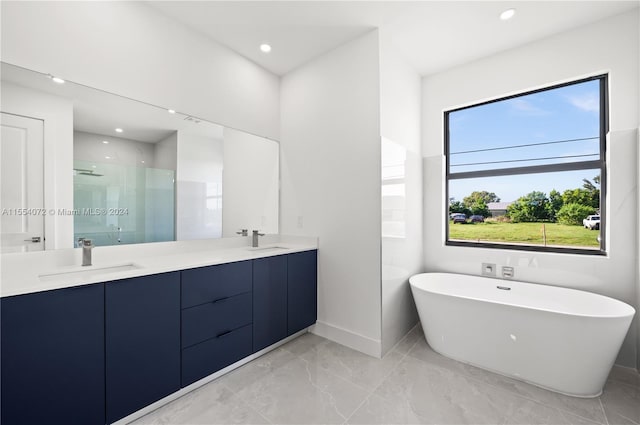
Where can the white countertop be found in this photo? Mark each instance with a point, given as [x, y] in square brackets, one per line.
[24, 273]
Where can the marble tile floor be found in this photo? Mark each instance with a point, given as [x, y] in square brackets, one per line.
[311, 380]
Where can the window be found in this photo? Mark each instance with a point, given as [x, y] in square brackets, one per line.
[528, 172]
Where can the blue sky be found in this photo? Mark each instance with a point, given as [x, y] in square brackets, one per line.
[565, 113]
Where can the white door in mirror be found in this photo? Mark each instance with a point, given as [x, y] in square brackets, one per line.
[22, 184]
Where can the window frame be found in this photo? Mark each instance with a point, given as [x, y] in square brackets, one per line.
[600, 163]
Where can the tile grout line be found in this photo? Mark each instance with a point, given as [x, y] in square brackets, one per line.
[328, 372]
[604, 412]
[335, 375]
[541, 402]
[404, 356]
[629, 419]
[331, 372]
[507, 390]
[242, 400]
[626, 384]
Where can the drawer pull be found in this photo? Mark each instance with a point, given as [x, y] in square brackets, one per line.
[225, 333]
[219, 300]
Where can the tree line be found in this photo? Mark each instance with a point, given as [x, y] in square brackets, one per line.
[568, 207]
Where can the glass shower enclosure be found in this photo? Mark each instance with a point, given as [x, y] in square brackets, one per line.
[119, 204]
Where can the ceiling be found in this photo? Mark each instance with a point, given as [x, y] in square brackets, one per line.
[99, 112]
[431, 35]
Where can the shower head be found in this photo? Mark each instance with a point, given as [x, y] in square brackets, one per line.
[84, 172]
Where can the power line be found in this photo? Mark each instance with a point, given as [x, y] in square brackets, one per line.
[526, 145]
[524, 160]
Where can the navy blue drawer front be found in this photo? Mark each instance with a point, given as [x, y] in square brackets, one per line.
[209, 320]
[214, 354]
[206, 284]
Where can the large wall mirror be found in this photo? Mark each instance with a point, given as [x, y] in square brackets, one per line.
[140, 173]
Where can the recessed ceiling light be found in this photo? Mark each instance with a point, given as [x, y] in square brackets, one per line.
[265, 47]
[171, 111]
[107, 157]
[119, 130]
[57, 80]
[106, 142]
[507, 14]
[142, 162]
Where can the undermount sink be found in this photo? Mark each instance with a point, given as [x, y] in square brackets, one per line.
[88, 272]
[267, 248]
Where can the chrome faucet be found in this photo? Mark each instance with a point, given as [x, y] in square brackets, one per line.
[243, 232]
[87, 246]
[254, 241]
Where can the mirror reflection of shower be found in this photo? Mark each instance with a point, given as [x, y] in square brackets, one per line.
[122, 204]
[120, 195]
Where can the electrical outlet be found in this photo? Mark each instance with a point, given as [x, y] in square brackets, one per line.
[489, 269]
[300, 222]
[507, 272]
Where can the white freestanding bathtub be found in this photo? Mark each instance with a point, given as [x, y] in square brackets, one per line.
[560, 339]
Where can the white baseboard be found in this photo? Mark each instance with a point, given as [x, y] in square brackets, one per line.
[364, 344]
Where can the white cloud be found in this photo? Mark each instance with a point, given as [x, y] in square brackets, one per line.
[589, 102]
[525, 107]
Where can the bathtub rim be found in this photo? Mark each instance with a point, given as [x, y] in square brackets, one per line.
[630, 313]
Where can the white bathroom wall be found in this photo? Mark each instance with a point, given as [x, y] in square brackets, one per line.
[609, 46]
[131, 49]
[401, 191]
[119, 150]
[250, 183]
[330, 170]
[198, 187]
[57, 114]
[165, 154]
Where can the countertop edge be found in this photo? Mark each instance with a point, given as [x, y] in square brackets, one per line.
[148, 266]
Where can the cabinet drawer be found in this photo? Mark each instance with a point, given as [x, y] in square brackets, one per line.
[209, 320]
[214, 354]
[206, 284]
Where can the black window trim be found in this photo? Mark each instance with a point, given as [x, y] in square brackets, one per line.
[536, 169]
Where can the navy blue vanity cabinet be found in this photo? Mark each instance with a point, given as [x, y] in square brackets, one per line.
[217, 318]
[52, 357]
[142, 342]
[269, 301]
[302, 298]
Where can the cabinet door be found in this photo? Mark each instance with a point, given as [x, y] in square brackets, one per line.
[52, 357]
[142, 342]
[269, 301]
[302, 299]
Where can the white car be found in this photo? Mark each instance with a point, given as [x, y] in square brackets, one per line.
[592, 222]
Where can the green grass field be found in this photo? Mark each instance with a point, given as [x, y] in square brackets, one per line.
[525, 233]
